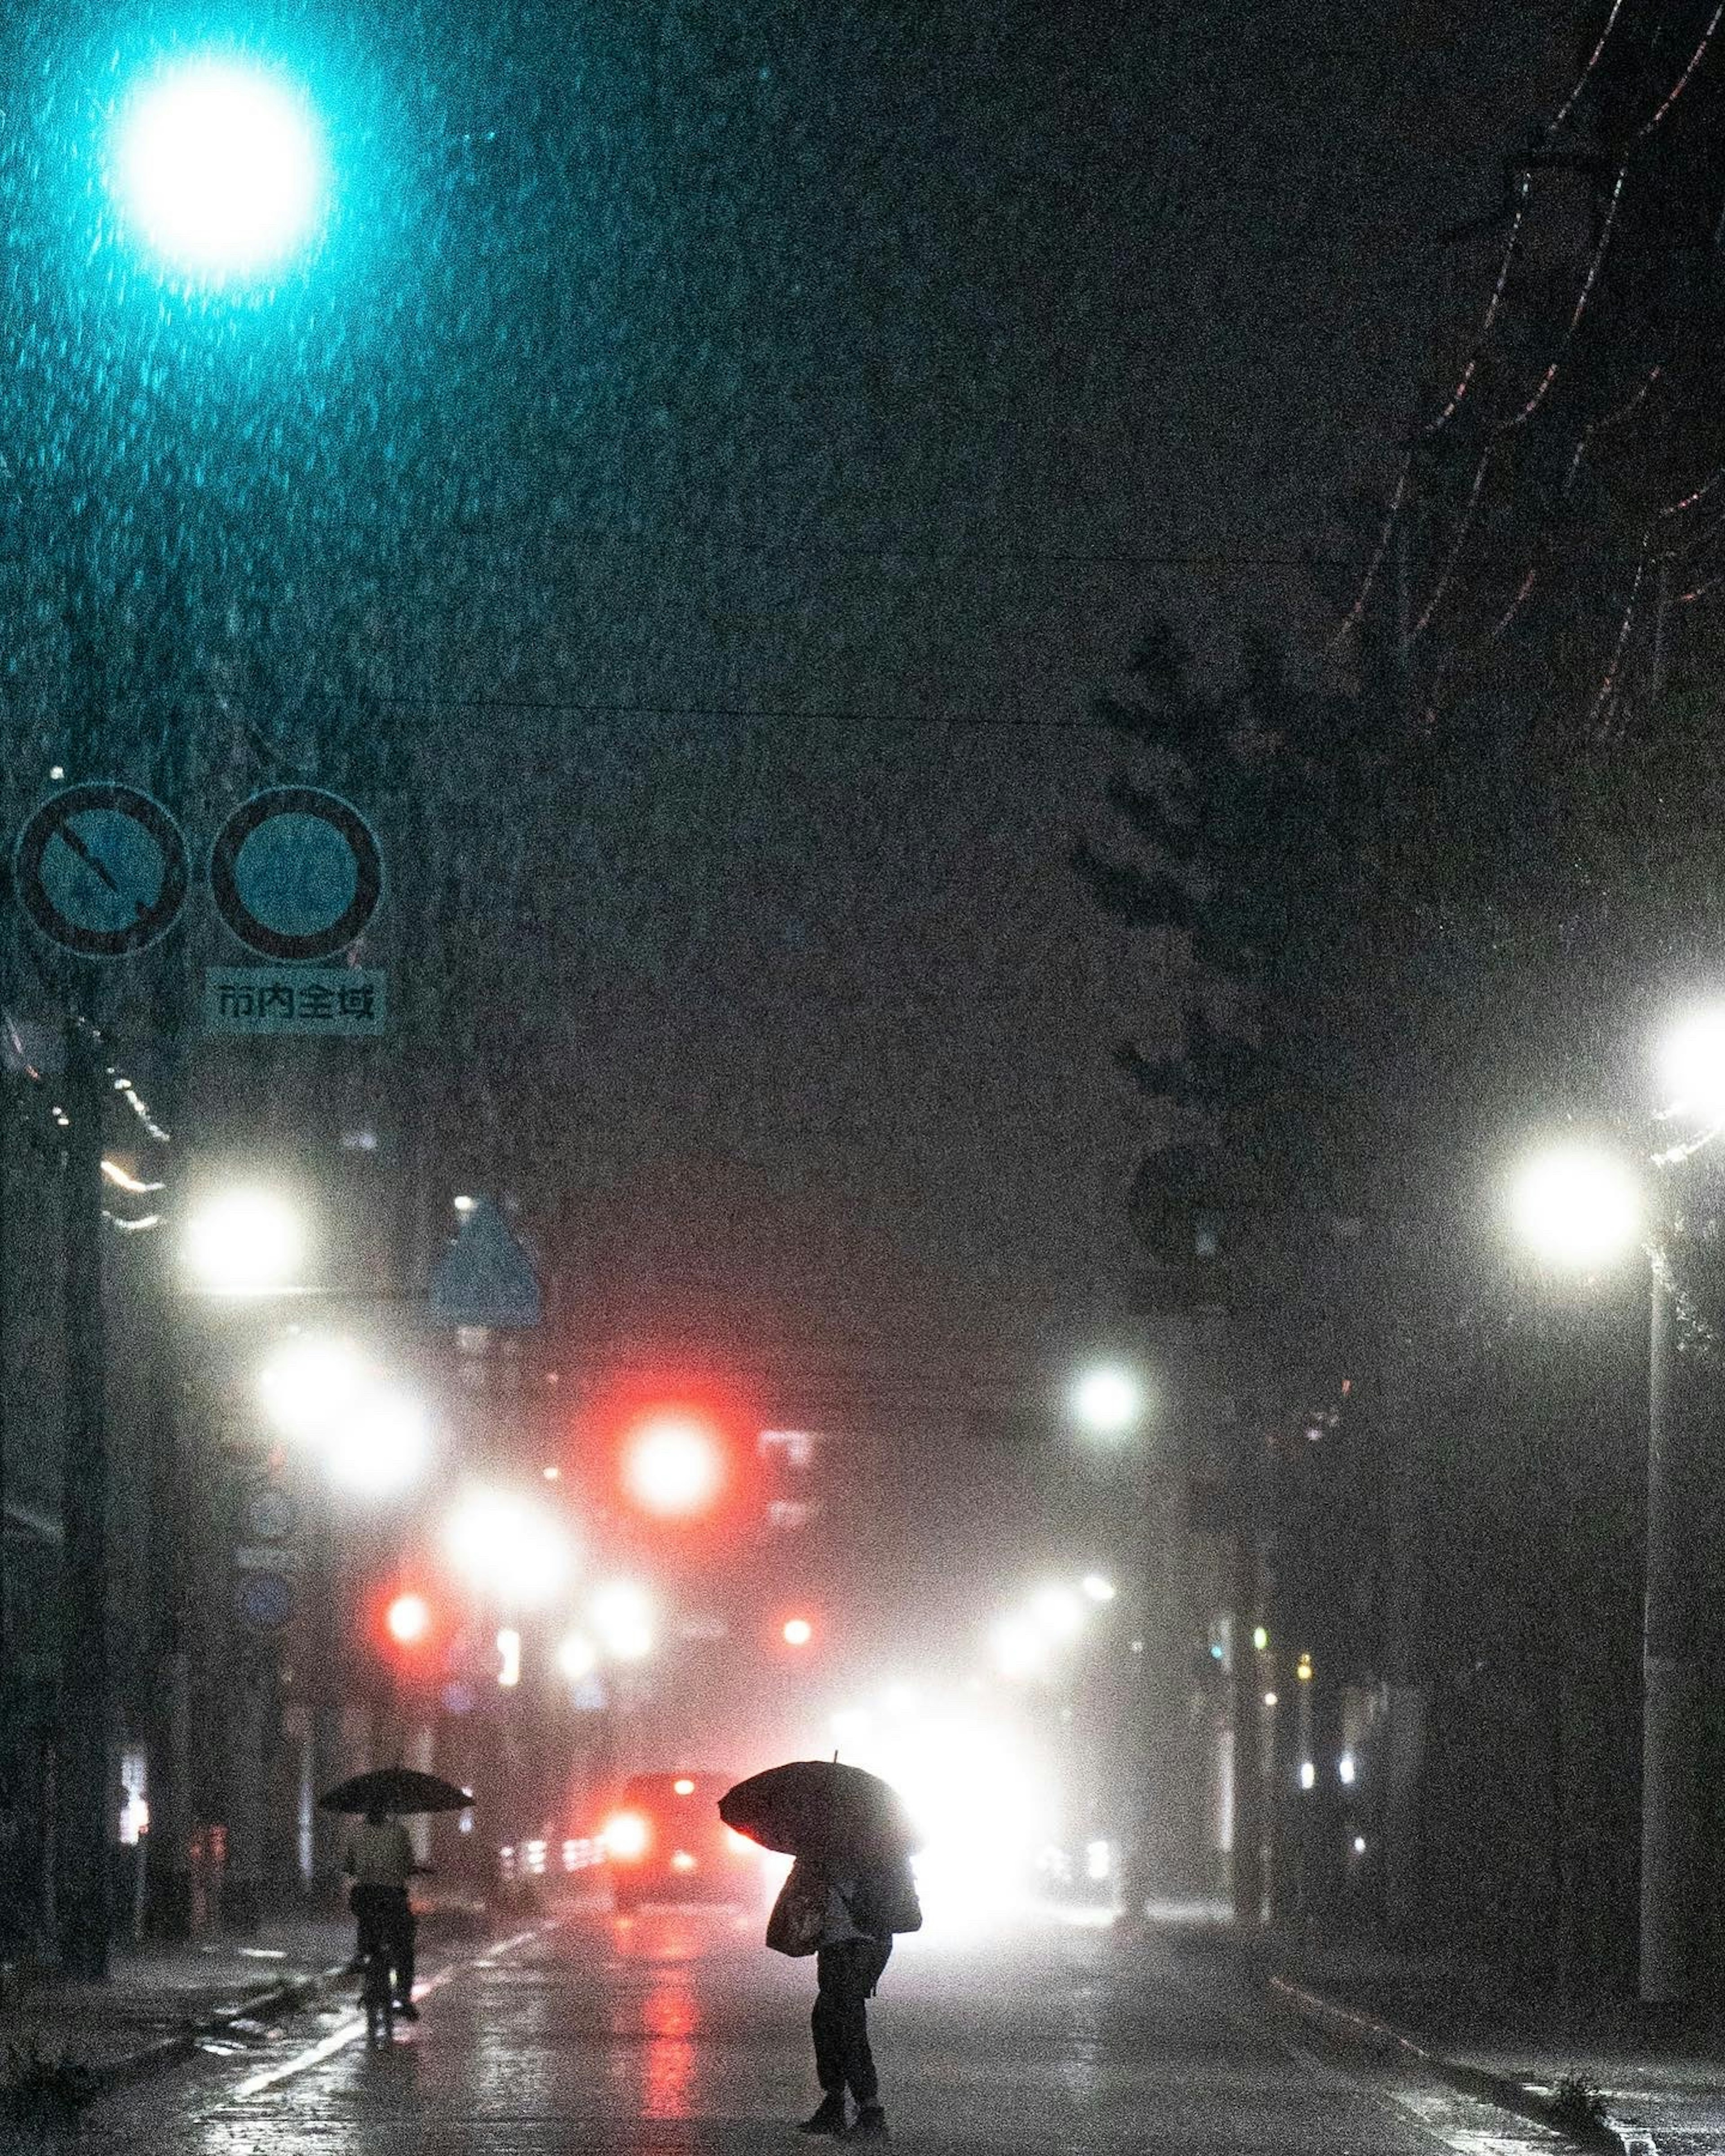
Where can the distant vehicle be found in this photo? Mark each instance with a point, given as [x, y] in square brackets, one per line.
[666, 1842]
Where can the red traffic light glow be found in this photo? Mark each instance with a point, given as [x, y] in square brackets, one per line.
[408, 1626]
[408, 1620]
[797, 1632]
[674, 1465]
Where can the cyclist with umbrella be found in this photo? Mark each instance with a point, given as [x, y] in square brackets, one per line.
[379, 1859]
[850, 1890]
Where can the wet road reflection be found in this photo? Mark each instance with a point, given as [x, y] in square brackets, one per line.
[673, 2030]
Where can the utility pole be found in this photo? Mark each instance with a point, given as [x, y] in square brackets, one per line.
[1673, 1680]
[86, 1787]
[1248, 1879]
[1672, 1672]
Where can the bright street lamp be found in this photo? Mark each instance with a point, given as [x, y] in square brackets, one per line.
[374, 1437]
[1057, 1613]
[244, 1242]
[511, 1547]
[1108, 1401]
[313, 1386]
[218, 165]
[1583, 1208]
[576, 1657]
[1577, 1206]
[623, 1616]
[1692, 1066]
[384, 1448]
[1020, 1648]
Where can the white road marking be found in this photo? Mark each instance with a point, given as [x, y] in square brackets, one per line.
[327, 2046]
[1440, 2112]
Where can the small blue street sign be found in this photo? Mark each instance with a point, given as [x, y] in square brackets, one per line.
[265, 1600]
[485, 1278]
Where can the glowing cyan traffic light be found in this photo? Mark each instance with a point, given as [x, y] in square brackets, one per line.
[674, 1466]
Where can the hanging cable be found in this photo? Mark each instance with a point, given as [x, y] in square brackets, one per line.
[1595, 427]
[1550, 376]
[1609, 684]
[1453, 556]
[1569, 103]
[1683, 80]
[1689, 501]
[1483, 337]
[1511, 611]
[1352, 619]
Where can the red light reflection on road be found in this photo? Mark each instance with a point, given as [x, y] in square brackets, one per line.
[671, 2018]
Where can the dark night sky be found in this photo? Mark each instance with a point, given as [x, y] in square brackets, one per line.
[751, 434]
[892, 349]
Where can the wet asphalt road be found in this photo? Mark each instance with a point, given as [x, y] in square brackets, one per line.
[675, 2030]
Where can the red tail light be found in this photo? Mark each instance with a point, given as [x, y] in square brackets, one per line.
[626, 1836]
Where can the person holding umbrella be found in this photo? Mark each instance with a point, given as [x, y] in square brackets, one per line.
[379, 1859]
[850, 1890]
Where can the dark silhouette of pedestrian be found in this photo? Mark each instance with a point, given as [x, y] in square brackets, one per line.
[863, 1908]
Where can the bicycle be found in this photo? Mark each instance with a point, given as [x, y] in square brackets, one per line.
[377, 1991]
[384, 1947]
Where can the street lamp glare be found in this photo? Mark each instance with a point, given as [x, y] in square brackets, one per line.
[312, 1388]
[219, 166]
[244, 1242]
[511, 1547]
[1057, 1613]
[385, 1446]
[1108, 1400]
[1577, 1206]
[623, 1613]
[1098, 1588]
[577, 1656]
[1020, 1648]
[1692, 1067]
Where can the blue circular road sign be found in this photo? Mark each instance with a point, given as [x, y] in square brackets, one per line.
[296, 873]
[265, 1600]
[101, 870]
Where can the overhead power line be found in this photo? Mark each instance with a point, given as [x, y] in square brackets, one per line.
[1515, 206]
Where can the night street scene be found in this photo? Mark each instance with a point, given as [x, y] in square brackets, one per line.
[862, 1077]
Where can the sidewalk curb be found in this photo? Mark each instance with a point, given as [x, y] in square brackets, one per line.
[1501, 2090]
[284, 1995]
[163, 2052]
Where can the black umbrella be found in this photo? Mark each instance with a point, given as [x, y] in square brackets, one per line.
[818, 1809]
[395, 1789]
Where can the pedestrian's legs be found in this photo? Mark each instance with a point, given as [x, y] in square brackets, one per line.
[827, 2023]
[406, 1928]
[367, 1917]
[848, 1975]
[858, 2059]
